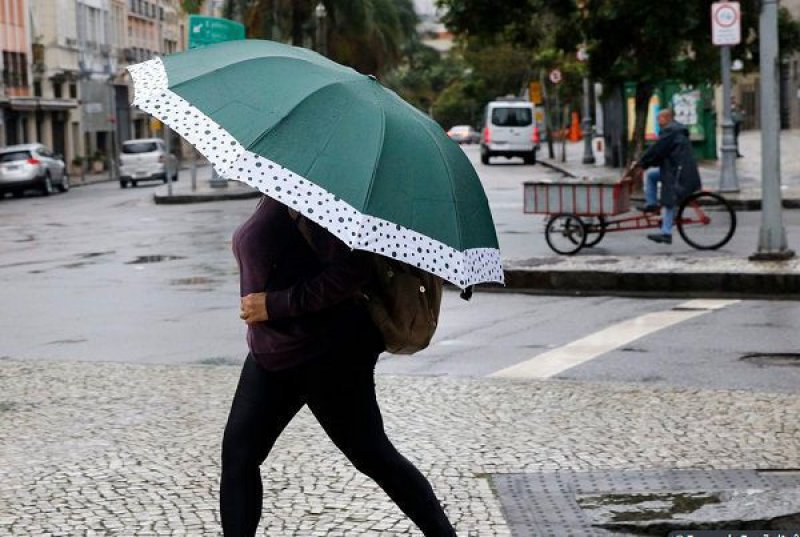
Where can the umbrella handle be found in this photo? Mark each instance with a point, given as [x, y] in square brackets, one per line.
[466, 294]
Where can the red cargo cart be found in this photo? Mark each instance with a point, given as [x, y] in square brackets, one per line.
[583, 210]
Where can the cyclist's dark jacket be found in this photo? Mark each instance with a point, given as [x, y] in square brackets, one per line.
[672, 153]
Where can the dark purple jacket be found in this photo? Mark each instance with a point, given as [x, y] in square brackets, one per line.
[312, 294]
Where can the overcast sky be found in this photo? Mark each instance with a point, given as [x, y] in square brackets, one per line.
[425, 7]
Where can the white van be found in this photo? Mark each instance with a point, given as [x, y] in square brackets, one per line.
[509, 130]
[146, 159]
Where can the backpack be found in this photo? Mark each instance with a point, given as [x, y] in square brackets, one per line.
[403, 301]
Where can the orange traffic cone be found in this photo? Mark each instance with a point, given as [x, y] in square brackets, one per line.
[575, 128]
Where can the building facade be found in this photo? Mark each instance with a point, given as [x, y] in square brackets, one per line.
[64, 81]
[748, 94]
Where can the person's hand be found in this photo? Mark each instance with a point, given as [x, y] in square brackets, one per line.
[254, 308]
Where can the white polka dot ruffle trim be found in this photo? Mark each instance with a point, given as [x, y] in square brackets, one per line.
[357, 230]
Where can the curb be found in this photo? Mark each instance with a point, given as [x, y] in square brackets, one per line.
[556, 167]
[713, 284]
[202, 197]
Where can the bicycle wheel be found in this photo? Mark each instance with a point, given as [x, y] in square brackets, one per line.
[565, 234]
[706, 221]
[595, 230]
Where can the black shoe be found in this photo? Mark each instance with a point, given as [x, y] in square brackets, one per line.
[648, 208]
[660, 237]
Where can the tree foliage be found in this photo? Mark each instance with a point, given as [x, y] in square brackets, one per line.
[637, 41]
[368, 35]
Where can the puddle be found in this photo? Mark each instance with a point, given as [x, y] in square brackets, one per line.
[194, 280]
[779, 359]
[76, 265]
[90, 255]
[153, 259]
[647, 507]
[219, 360]
[61, 341]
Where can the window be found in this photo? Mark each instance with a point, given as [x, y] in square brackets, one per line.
[57, 88]
[139, 147]
[37, 88]
[15, 70]
[14, 156]
[512, 117]
[73, 90]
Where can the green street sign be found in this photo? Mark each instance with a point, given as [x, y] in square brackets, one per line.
[208, 30]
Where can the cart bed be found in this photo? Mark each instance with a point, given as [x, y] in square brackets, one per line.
[582, 196]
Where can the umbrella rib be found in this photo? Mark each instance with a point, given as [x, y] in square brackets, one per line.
[380, 147]
[449, 176]
[286, 116]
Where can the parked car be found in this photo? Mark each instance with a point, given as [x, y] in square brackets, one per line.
[509, 130]
[463, 134]
[146, 159]
[31, 167]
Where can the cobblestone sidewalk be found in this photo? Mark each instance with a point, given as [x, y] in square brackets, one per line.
[114, 449]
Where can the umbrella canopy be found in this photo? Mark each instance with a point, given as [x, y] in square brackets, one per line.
[334, 145]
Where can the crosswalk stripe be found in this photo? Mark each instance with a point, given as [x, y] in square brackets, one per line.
[555, 361]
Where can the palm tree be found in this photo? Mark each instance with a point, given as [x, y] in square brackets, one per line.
[368, 35]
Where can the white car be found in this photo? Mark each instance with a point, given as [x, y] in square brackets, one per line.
[509, 130]
[463, 134]
[31, 166]
[146, 159]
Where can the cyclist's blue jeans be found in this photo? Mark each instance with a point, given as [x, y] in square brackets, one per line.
[652, 179]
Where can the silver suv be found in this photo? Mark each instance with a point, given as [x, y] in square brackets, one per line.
[146, 159]
[31, 166]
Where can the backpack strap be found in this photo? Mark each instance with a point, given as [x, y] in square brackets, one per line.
[302, 227]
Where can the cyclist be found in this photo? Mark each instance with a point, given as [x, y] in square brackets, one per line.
[677, 172]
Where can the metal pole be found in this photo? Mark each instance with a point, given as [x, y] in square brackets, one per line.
[276, 29]
[193, 167]
[729, 180]
[588, 153]
[772, 237]
[82, 74]
[168, 159]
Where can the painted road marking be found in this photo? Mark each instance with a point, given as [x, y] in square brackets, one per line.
[557, 360]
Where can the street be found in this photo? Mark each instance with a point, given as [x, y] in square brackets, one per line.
[121, 344]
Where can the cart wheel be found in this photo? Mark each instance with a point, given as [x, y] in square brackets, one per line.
[565, 234]
[706, 221]
[595, 230]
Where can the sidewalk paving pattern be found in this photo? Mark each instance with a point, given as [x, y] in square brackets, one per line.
[116, 449]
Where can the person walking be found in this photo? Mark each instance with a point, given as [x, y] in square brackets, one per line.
[737, 116]
[677, 173]
[311, 342]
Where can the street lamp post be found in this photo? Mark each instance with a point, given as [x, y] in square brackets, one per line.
[729, 180]
[586, 122]
[321, 13]
[772, 244]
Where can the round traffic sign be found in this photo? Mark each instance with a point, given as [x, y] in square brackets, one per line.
[726, 16]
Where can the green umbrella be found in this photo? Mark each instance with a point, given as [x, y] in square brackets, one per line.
[334, 145]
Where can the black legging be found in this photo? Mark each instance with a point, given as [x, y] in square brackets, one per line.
[340, 392]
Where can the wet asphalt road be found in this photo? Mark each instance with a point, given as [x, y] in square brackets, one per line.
[104, 274]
